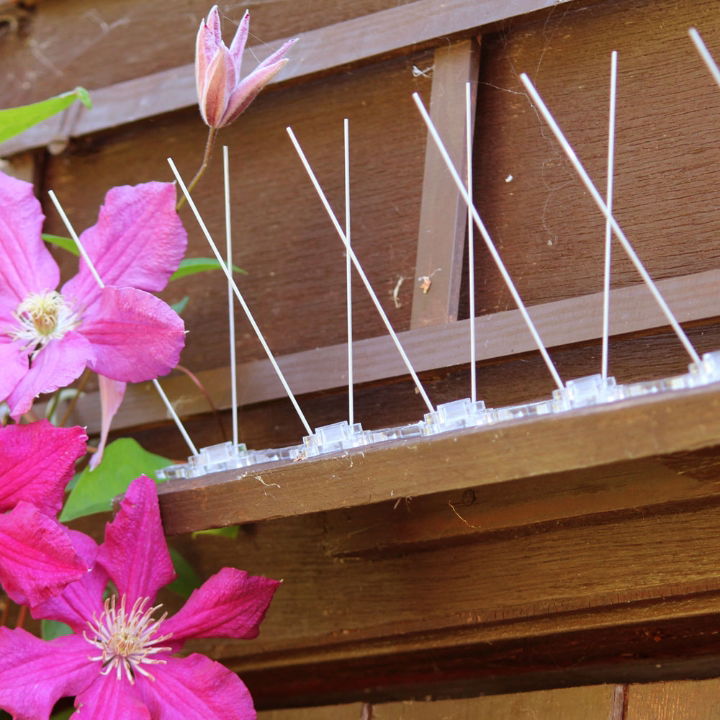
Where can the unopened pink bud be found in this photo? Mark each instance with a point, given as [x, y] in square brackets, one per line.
[222, 92]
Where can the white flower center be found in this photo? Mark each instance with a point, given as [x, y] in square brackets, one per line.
[43, 317]
[127, 639]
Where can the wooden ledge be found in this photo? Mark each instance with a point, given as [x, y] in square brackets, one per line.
[669, 426]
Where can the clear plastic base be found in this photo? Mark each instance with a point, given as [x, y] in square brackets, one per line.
[586, 391]
[515, 412]
[331, 438]
[457, 415]
[577, 393]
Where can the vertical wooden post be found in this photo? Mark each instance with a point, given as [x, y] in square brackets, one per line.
[443, 212]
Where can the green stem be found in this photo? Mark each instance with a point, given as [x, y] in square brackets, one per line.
[212, 134]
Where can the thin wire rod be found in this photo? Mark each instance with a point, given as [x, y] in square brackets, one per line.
[348, 275]
[98, 280]
[488, 240]
[240, 298]
[231, 304]
[359, 269]
[608, 227]
[471, 242]
[705, 54]
[619, 234]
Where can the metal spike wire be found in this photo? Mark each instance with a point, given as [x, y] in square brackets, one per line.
[231, 304]
[617, 230]
[471, 242]
[98, 280]
[240, 298]
[488, 240]
[348, 275]
[705, 54]
[360, 271]
[608, 227]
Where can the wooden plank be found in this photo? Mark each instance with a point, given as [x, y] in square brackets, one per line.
[580, 439]
[362, 39]
[581, 703]
[674, 701]
[443, 212]
[499, 335]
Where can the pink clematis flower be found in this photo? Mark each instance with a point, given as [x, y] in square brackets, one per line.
[36, 463]
[119, 662]
[122, 332]
[222, 93]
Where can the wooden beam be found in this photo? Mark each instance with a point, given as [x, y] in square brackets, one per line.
[443, 212]
[578, 440]
[388, 32]
[692, 297]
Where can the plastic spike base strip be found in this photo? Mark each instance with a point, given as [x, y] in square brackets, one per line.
[456, 415]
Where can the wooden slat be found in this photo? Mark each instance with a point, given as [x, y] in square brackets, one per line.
[501, 334]
[674, 701]
[582, 703]
[572, 441]
[318, 51]
[443, 213]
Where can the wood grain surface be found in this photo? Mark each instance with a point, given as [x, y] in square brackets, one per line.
[674, 701]
[583, 703]
[443, 212]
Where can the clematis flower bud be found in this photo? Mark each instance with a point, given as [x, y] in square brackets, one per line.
[222, 93]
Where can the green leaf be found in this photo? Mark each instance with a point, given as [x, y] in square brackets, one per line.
[192, 266]
[187, 579]
[123, 461]
[180, 305]
[13, 121]
[62, 714]
[62, 242]
[51, 629]
[231, 531]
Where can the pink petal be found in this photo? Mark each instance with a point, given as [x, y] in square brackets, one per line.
[237, 47]
[108, 698]
[218, 88]
[35, 674]
[138, 241]
[277, 55]
[135, 552]
[214, 25]
[37, 462]
[248, 90]
[230, 604]
[134, 335]
[112, 393]
[195, 688]
[77, 603]
[55, 366]
[14, 364]
[37, 557]
[27, 265]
